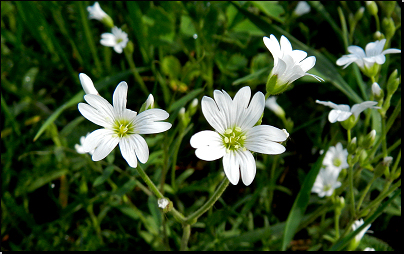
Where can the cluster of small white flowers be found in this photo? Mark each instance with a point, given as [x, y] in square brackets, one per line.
[342, 112]
[327, 179]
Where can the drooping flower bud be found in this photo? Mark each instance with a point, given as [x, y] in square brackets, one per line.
[369, 139]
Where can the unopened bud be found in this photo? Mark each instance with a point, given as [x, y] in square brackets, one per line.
[388, 7]
[369, 139]
[378, 36]
[359, 14]
[397, 174]
[383, 167]
[165, 204]
[371, 6]
[349, 123]
[392, 83]
[193, 107]
[377, 92]
[340, 202]
[362, 158]
[388, 27]
[352, 146]
[148, 104]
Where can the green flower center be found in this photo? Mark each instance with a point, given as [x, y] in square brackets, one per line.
[123, 128]
[119, 40]
[337, 162]
[327, 187]
[233, 139]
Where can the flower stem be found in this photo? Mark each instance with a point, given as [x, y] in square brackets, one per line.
[351, 190]
[337, 213]
[365, 191]
[177, 215]
[132, 65]
[191, 219]
[349, 135]
[185, 237]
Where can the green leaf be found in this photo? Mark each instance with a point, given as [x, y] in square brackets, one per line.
[29, 79]
[181, 102]
[128, 186]
[373, 242]
[171, 67]
[271, 8]
[299, 206]
[105, 175]
[251, 77]
[154, 210]
[41, 181]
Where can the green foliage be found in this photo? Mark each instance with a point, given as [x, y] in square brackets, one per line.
[54, 198]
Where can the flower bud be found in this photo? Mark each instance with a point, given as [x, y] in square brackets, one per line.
[148, 104]
[377, 92]
[340, 202]
[193, 107]
[359, 14]
[383, 167]
[397, 174]
[184, 117]
[362, 158]
[378, 36]
[274, 107]
[371, 6]
[349, 123]
[369, 139]
[165, 204]
[392, 83]
[388, 7]
[352, 146]
[352, 159]
[388, 27]
[129, 47]
[301, 8]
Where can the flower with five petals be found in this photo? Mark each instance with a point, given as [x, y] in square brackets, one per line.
[235, 135]
[117, 39]
[120, 126]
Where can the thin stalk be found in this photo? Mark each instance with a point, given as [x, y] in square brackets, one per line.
[348, 132]
[177, 215]
[384, 134]
[272, 182]
[185, 237]
[191, 219]
[89, 37]
[365, 191]
[351, 190]
[337, 213]
[393, 116]
[375, 203]
[136, 74]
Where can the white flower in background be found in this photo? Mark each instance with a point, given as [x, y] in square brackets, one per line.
[336, 157]
[79, 147]
[374, 54]
[121, 126]
[369, 249]
[341, 112]
[274, 107]
[95, 12]
[235, 134]
[302, 8]
[162, 202]
[326, 182]
[289, 64]
[87, 84]
[356, 225]
[117, 39]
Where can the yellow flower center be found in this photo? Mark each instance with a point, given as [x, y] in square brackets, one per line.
[337, 162]
[233, 139]
[123, 128]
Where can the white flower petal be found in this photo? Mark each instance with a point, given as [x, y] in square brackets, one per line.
[153, 127]
[102, 105]
[240, 101]
[266, 132]
[247, 166]
[118, 49]
[328, 103]
[298, 55]
[106, 145]
[308, 63]
[126, 145]
[213, 115]
[286, 47]
[93, 115]
[358, 51]
[210, 153]
[119, 97]
[231, 167]
[273, 46]
[225, 105]
[108, 40]
[358, 108]
[141, 148]
[87, 84]
[253, 112]
[346, 60]
[206, 138]
[261, 145]
[391, 51]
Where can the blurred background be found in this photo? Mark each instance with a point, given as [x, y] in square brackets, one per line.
[56, 199]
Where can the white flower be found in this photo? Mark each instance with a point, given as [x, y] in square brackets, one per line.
[79, 147]
[149, 102]
[95, 12]
[235, 134]
[302, 8]
[121, 126]
[356, 225]
[117, 39]
[289, 64]
[336, 157]
[162, 202]
[369, 249]
[272, 105]
[341, 112]
[374, 54]
[87, 84]
[326, 182]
